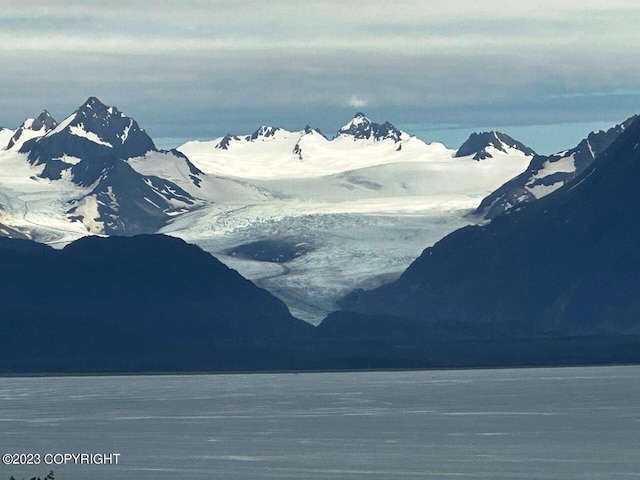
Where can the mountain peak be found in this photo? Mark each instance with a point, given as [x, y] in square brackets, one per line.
[94, 102]
[361, 128]
[477, 145]
[96, 109]
[566, 264]
[308, 130]
[545, 174]
[92, 131]
[265, 131]
[44, 120]
[32, 128]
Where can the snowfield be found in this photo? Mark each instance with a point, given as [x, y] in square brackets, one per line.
[303, 216]
[36, 206]
[359, 227]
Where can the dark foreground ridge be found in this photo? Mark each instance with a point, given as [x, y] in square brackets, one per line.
[143, 303]
[564, 267]
[152, 303]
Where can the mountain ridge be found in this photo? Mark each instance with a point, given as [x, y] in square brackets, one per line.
[562, 266]
[478, 144]
[547, 173]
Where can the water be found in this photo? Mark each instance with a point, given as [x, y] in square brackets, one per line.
[578, 423]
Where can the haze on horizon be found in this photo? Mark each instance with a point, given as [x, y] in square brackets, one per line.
[546, 72]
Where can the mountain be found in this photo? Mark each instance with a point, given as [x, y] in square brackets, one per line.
[548, 173]
[565, 266]
[361, 128]
[93, 129]
[275, 153]
[484, 145]
[90, 148]
[142, 303]
[31, 128]
[292, 191]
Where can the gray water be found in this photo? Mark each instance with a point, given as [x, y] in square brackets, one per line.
[577, 423]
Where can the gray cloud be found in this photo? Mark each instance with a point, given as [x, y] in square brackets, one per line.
[203, 68]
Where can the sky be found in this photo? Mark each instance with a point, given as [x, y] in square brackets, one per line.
[546, 72]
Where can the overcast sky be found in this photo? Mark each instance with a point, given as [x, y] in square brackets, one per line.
[437, 68]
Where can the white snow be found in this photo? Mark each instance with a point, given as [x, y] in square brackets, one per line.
[540, 191]
[125, 133]
[151, 202]
[212, 188]
[26, 134]
[79, 131]
[276, 159]
[37, 205]
[354, 122]
[87, 207]
[365, 225]
[365, 209]
[563, 165]
[70, 159]
[62, 125]
[5, 136]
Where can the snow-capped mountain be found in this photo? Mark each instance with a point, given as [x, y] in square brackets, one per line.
[361, 128]
[93, 130]
[31, 128]
[546, 174]
[484, 145]
[566, 265]
[275, 153]
[331, 201]
[98, 172]
[86, 157]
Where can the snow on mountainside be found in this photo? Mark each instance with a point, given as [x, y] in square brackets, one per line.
[90, 149]
[306, 217]
[5, 136]
[546, 174]
[355, 209]
[31, 128]
[484, 145]
[564, 266]
[93, 129]
[272, 153]
[361, 128]
[175, 167]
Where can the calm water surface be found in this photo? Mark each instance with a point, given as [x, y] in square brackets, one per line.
[577, 423]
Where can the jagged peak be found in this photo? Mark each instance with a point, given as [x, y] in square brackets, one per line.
[313, 131]
[41, 125]
[44, 120]
[94, 122]
[477, 145]
[358, 119]
[361, 128]
[265, 131]
[94, 102]
[387, 130]
[95, 108]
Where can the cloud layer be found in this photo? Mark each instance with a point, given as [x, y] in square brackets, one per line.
[217, 66]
